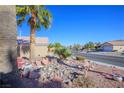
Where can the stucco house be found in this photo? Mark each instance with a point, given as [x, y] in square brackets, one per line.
[116, 45]
[40, 49]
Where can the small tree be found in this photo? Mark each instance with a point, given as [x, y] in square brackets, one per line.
[77, 47]
[89, 45]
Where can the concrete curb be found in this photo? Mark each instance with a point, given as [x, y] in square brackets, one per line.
[109, 65]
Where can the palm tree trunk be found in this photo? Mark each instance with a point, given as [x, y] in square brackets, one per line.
[8, 52]
[32, 43]
[32, 36]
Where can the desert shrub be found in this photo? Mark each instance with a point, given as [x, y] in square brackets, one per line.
[53, 46]
[80, 58]
[83, 82]
[62, 52]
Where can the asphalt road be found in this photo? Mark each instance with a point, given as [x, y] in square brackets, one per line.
[117, 61]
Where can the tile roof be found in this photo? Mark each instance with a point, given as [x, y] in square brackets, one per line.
[117, 42]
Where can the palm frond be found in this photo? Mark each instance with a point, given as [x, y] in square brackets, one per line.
[46, 14]
[46, 23]
[21, 12]
[20, 20]
[43, 16]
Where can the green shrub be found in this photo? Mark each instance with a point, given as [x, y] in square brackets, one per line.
[80, 58]
[62, 52]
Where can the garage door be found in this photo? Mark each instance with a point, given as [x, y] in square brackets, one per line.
[107, 48]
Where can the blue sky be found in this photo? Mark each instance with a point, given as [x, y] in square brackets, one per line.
[81, 24]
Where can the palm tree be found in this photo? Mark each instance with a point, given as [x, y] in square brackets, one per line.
[37, 16]
[8, 35]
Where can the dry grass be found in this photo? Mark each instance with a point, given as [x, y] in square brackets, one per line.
[84, 82]
[80, 58]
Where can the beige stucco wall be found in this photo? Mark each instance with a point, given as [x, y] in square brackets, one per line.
[41, 50]
[22, 54]
[38, 50]
[8, 33]
[118, 48]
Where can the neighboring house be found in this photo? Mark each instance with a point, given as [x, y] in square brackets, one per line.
[40, 49]
[116, 45]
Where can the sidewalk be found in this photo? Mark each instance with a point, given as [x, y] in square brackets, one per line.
[108, 65]
[116, 54]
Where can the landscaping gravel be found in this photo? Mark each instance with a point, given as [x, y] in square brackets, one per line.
[62, 74]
